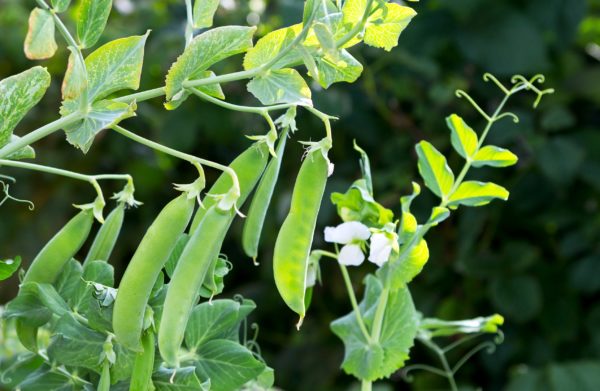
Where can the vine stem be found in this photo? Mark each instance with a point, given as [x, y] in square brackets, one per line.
[366, 385]
[448, 373]
[357, 27]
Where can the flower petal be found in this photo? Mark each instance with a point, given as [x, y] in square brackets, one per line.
[381, 248]
[311, 276]
[347, 232]
[351, 255]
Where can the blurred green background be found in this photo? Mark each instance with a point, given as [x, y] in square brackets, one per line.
[535, 259]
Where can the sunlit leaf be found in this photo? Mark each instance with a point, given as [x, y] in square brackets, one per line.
[464, 139]
[341, 68]
[270, 45]
[473, 193]
[384, 26]
[495, 157]
[281, 86]
[91, 21]
[204, 12]
[434, 169]
[40, 42]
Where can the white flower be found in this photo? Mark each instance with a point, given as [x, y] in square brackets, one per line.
[311, 275]
[349, 234]
[381, 247]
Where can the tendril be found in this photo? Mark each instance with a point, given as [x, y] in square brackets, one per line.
[407, 375]
[487, 77]
[256, 329]
[520, 81]
[463, 94]
[508, 114]
[7, 196]
[488, 346]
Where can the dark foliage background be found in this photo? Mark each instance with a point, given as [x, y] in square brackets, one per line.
[535, 259]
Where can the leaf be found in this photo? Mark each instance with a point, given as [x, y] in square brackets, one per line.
[8, 267]
[91, 21]
[40, 43]
[68, 281]
[473, 193]
[384, 26]
[217, 320]
[270, 45]
[75, 81]
[227, 364]
[18, 94]
[324, 36]
[372, 361]
[438, 214]
[60, 5]
[353, 11]
[46, 379]
[464, 139]
[357, 204]
[115, 66]
[24, 153]
[434, 169]
[335, 69]
[281, 86]
[213, 90]
[180, 379]
[99, 272]
[204, 12]
[495, 157]
[35, 304]
[205, 50]
[103, 115]
[403, 270]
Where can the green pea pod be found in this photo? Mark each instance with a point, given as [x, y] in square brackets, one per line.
[107, 235]
[27, 335]
[202, 249]
[248, 166]
[104, 383]
[292, 248]
[143, 270]
[260, 202]
[141, 376]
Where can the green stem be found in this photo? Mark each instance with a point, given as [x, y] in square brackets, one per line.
[40, 133]
[366, 385]
[448, 373]
[261, 110]
[357, 27]
[189, 28]
[350, 289]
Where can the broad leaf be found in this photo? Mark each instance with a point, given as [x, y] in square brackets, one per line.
[115, 66]
[35, 304]
[18, 94]
[372, 361]
[270, 45]
[40, 42]
[353, 11]
[281, 86]
[24, 153]
[473, 193]
[60, 5]
[495, 157]
[103, 115]
[357, 204]
[68, 281]
[8, 267]
[384, 26]
[205, 50]
[434, 169]
[180, 379]
[46, 379]
[75, 81]
[227, 364]
[340, 68]
[204, 12]
[403, 270]
[91, 21]
[464, 139]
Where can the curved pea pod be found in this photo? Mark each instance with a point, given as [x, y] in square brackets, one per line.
[143, 270]
[107, 235]
[294, 241]
[141, 376]
[260, 202]
[249, 167]
[202, 249]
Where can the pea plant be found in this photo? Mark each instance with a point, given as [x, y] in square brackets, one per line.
[71, 328]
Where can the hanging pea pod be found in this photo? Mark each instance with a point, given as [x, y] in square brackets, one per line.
[107, 235]
[141, 375]
[199, 253]
[292, 248]
[249, 167]
[260, 202]
[143, 270]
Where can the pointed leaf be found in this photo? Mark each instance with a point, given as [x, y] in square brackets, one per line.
[91, 21]
[40, 43]
[406, 201]
[204, 12]
[434, 169]
[472, 193]
[464, 139]
[75, 81]
[438, 215]
[18, 94]
[402, 271]
[60, 5]
[281, 86]
[495, 157]
[8, 267]
[270, 45]
[341, 68]
[115, 66]
[384, 26]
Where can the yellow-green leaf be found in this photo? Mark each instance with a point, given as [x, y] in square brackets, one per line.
[340, 68]
[434, 169]
[91, 21]
[213, 90]
[494, 156]
[384, 26]
[463, 138]
[270, 45]
[473, 193]
[39, 42]
[75, 81]
[281, 86]
[204, 12]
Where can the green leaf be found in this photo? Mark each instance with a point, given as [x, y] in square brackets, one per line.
[353, 11]
[495, 157]
[401, 271]
[324, 36]
[8, 267]
[24, 153]
[473, 193]
[281, 86]
[60, 5]
[434, 169]
[372, 361]
[46, 379]
[204, 12]
[357, 204]
[75, 81]
[18, 94]
[384, 26]
[102, 115]
[213, 90]
[205, 50]
[340, 68]
[35, 304]
[406, 201]
[115, 66]
[217, 320]
[91, 21]
[227, 364]
[99, 272]
[438, 214]
[40, 43]
[464, 139]
[68, 281]
[180, 379]
[270, 45]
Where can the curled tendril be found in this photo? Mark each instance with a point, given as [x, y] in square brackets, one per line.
[408, 377]
[488, 346]
[7, 196]
[487, 77]
[520, 81]
[256, 329]
[465, 95]
[239, 298]
[508, 114]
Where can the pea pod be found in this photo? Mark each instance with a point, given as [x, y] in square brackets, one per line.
[292, 248]
[260, 202]
[107, 235]
[202, 249]
[143, 270]
[141, 376]
[248, 166]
